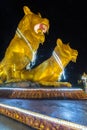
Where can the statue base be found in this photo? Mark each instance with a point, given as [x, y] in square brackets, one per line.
[29, 90]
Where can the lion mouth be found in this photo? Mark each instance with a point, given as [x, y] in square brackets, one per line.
[40, 28]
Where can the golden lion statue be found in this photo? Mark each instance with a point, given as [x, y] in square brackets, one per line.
[48, 72]
[23, 47]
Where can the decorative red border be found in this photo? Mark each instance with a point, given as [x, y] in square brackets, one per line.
[39, 93]
[38, 121]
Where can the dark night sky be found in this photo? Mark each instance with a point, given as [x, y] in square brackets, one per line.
[67, 21]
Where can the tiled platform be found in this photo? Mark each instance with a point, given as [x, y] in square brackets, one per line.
[47, 114]
[44, 108]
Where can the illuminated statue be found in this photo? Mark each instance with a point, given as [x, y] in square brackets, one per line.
[48, 73]
[23, 47]
[21, 52]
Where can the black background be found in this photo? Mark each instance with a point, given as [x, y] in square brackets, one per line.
[68, 21]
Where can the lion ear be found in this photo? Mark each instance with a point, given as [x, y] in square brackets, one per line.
[39, 14]
[27, 10]
[59, 41]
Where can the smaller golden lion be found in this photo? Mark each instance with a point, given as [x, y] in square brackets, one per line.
[48, 72]
[23, 47]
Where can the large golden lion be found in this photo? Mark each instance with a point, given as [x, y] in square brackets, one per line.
[22, 48]
[48, 72]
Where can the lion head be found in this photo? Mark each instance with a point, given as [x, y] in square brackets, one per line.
[33, 26]
[65, 52]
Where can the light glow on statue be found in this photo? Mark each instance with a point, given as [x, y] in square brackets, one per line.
[28, 67]
[58, 60]
[62, 74]
[21, 35]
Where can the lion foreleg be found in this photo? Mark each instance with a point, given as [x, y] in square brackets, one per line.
[55, 84]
